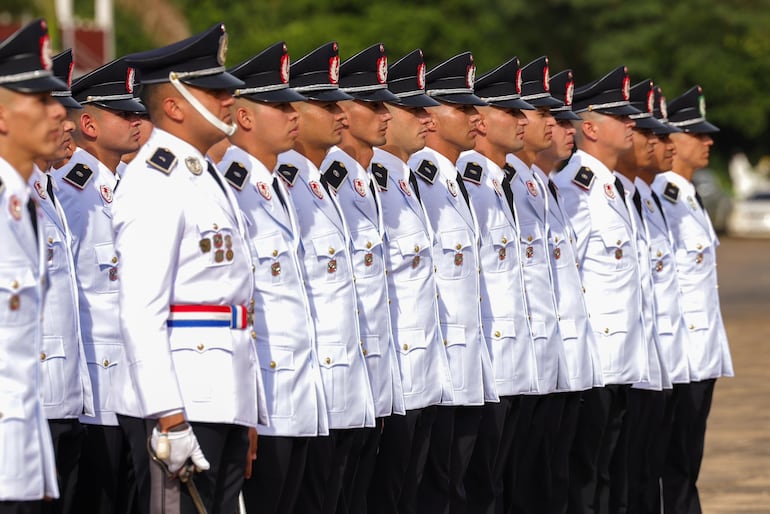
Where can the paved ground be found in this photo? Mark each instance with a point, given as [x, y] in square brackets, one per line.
[735, 477]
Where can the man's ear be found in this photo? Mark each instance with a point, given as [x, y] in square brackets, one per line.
[244, 117]
[173, 109]
[88, 125]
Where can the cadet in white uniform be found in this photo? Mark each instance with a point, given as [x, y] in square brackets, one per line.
[106, 127]
[67, 389]
[408, 248]
[580, 345]
[296, 405]
[646, 400]
[325, 253]
[696, 245]
[364, 77]
[187, 279]
[609, 267]
[32, 121]
[456, 257]
[504, 310]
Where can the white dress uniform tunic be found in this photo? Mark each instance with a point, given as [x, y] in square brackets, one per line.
[408, 250]
[360, 207]
[27, 467]
[504, 309]
[187, 279]
[66, 385]
[659, 378]
[674, 337]
[86, 195]
[456, 257]
[580, 345]
[696, 245]
[538, 281]
[607, 257]
[285, 341]
[325, 255]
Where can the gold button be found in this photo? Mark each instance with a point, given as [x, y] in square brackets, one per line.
[405, 347]
[42, 356]
[361, 343]
[437, 296]
[252, 302]
[479, 298]
[659, 254]
[444, 342]
[529, 239]
[497, 333]
[200, 347]
[692, 327]
[368, 244]
[15, 284]
[388, 301]
[556, 239]
[331, 251]
[275, 253]
[504, 240]
[365, 353]
[416, 248]
[458, 246]
[328, 360]
[106, 363]
[619, 242]
[50, 240]
[216, 227]
[699, 246]
[253, 334]
[606, 330]
[584, 289]
[272, 364]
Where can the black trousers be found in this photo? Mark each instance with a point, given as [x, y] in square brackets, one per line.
[276, 475]
[31, 507]
[400, 462]
[105, 478]
[593, 463]
[67, 436]
[360, 469]
[226, 448]
[685, 451]
[442, 490]
[536, 441]
[136, 432]
[491, 460]
[568, 422]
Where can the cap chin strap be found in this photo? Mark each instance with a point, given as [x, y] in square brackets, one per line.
[228, 129]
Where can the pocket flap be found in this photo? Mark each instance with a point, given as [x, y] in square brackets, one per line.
[664, 325]
[697, 320]
[499, 329]
[328, 245]
[614, 237]
[568, 329]
[271, 245]
[201, 339]
[52, 236]
[411, 339]
[501, 236]
[412, 244]
[105, 254]
[453, 335]
[609, 324]
[371, 346]
[272, 358]
[530, 233]
[16, 279]
[365, 239]
[11, 407]
[455, 240]
[331, 355]
[696, 244]
[105, 355]
[53, 347]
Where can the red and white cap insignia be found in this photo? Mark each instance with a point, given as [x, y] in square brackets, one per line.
[421, 75]
[546, 77]
[382, 70]
[570, 92]
[518, 81]
[46, 61]
[130, 75]
[285, 64]
[626, 87]
[470, 75]
[334, 69]
[651, 99]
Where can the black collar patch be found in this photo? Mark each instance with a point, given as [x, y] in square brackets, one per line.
[473, 172]
[335, 175]
[510, 171]
[427, 171]
[288, 173]
[162, 160]
[380, 173]
[236, 175]
[671, 193]
[79, 176]
[584, 178]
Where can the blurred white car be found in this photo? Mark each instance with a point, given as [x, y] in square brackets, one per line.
[750, 217]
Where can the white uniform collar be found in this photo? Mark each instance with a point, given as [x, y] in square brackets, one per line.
[14, 184]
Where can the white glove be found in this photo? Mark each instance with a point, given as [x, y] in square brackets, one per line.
[175, 447]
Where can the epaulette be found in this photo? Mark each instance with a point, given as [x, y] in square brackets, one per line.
[584, 178]
[509, 171]
[473, 173]
[427, 171]
[288, 173]
[79, 176]
[236, 175]
[380, 173]
[335, 175]
[671, 193]
[162, 160]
